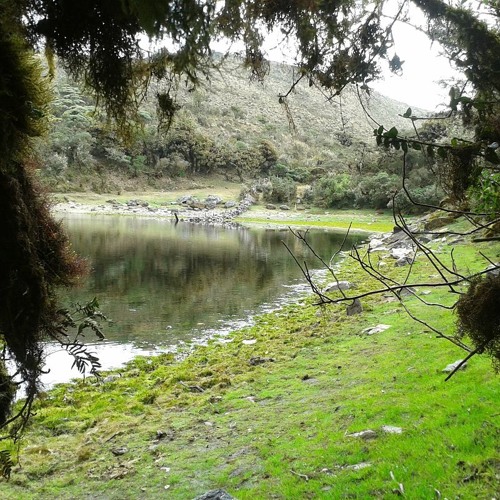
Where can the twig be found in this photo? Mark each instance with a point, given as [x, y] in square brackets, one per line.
[118, 433]
[298, 474]
[472, 353]
[192, 388]
[492, 238]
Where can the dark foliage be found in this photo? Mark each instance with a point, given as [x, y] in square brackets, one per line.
[6, 464]
[7, 393]
[283, 190]
[479, 316]
[35, 257]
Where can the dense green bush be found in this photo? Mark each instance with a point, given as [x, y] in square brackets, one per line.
[283, 190]
[268, 156]
[332, 192]
[428, 195]
[376, 191]
[298, 174]
[56, 164]
[486, 194]
[279, 170]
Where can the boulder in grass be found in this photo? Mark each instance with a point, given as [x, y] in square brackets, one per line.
[366, 435]
[375, 329]
[404, 261]
[354, 308]
[391, 429]
[215, 495]
[338, 285]
[452, 366]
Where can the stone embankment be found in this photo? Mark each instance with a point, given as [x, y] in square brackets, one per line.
[211, 211]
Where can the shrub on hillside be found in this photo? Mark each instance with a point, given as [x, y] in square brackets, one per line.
[55, 164]
[376, 191]
[297, 174]
[332, 192]
[268, 156]
[428, 195]
[283, 190]
[279, 170]
[173, 166]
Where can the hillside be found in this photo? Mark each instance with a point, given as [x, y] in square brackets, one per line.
[238, 130]
[234, 108]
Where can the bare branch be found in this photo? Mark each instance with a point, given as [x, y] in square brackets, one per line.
[462, 363]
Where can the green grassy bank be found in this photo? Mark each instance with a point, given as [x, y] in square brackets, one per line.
[268, 412]
[365, 220]
[358, 220]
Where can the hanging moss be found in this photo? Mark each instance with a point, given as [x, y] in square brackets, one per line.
[7, 393]
[23, 96]
[479, 316]
[97, 43]
[34, 256]
[460, 171]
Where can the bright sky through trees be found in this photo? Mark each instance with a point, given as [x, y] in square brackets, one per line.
[423, 68]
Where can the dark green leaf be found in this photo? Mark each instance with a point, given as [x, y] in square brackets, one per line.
[491, 156]
[392, 133]
[6, 463]
[442, 153]
[407, 113]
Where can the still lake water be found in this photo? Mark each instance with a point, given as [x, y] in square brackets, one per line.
[163, 284]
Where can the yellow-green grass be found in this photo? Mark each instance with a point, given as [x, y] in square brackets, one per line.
[226, 190]
[358, 220]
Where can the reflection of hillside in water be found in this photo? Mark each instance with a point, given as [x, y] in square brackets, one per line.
[151, 275]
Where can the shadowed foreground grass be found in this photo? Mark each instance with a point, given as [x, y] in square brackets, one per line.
[268, 411]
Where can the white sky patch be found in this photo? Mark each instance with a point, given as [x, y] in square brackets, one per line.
[423, 68]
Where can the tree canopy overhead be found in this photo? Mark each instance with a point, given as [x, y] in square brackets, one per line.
[339, 42]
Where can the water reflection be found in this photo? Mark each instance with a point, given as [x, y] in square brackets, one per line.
[162, 283]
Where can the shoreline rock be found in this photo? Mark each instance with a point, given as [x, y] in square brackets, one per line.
[214, 213]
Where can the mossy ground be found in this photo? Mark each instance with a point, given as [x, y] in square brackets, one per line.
[267, 413]
[357, 220]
